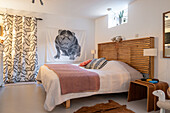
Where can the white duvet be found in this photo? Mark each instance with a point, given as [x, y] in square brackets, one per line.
[114, 78]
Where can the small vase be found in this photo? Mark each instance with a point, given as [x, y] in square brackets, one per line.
[120, 20]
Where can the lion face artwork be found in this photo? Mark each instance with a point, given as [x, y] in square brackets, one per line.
[67, 43]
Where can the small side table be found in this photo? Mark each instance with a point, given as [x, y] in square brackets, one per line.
[142, 89]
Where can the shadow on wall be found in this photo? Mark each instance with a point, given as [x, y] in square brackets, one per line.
[156, 58]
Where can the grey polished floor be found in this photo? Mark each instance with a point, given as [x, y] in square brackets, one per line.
[29, 98]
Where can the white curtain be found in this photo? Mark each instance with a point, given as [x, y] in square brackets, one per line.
[20, 60]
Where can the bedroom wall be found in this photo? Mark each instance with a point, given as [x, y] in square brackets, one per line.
[145, 19]
[51, 18]
[64, 22]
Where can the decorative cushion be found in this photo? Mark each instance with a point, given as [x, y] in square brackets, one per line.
[96, 63]
[89, 65]
[85, 63]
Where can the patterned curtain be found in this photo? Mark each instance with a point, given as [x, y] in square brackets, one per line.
[20, 60]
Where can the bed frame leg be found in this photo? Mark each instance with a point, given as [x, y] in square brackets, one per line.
[39, 82]
[67, 104]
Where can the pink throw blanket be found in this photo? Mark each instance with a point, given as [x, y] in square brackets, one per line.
[73, 79]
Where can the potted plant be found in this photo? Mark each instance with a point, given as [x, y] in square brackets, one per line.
[121, 16]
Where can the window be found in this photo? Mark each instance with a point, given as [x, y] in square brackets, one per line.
[117, 18]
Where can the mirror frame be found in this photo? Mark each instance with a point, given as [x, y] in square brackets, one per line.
[164, 34]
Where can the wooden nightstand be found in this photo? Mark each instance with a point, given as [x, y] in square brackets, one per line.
[141, 89]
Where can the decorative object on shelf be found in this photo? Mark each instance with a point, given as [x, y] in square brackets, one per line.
[121, 16]
[114, 39]
[117, 39]
[33, 1]
[93, 52]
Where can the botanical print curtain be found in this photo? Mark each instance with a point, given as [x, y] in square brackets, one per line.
[20, 60]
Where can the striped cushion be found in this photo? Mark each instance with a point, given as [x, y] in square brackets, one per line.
[96, 63]
[89, 65]
[102, 64]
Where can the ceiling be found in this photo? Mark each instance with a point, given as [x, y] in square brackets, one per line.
[88, 8]
[79, 8]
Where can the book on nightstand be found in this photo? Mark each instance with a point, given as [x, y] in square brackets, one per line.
[154, 81]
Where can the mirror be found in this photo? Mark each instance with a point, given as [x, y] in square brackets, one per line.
[166, 34]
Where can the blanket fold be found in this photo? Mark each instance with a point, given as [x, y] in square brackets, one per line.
[73, 79]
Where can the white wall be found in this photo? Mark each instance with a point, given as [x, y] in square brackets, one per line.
[51, 18]
[64, 22]
[145, 19]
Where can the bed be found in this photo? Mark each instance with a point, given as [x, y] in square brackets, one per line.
[115, 76]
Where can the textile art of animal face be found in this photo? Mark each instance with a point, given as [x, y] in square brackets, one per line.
[67, 42]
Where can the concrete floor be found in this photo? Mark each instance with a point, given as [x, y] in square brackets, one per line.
[29, 98]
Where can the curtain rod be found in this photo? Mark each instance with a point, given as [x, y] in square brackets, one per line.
[36, 18]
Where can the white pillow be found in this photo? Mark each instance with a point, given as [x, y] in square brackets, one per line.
[119, 66]
[113, 66]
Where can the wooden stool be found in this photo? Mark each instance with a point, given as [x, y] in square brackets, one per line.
[141, 89]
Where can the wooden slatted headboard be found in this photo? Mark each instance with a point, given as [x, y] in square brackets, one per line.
[130, 52]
